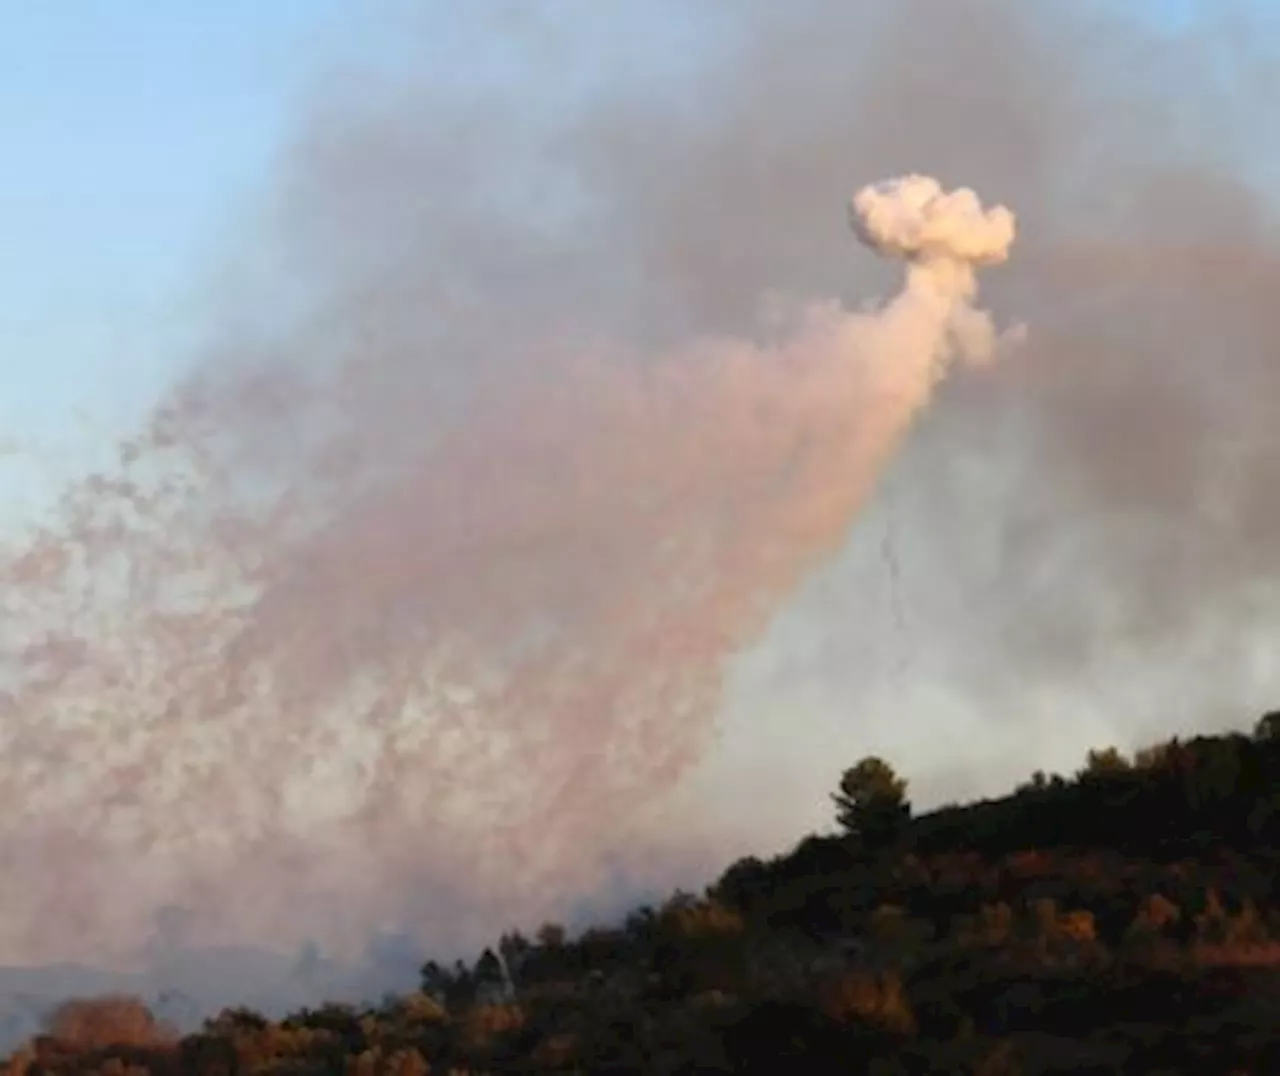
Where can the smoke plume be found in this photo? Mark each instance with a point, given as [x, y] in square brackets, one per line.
[487, 656]
[502, 529]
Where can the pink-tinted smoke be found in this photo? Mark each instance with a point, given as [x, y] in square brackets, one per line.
[293, 697]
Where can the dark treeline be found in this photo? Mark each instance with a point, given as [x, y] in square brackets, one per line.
[1125, 919]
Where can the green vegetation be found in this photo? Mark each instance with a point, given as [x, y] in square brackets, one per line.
[1125, 920]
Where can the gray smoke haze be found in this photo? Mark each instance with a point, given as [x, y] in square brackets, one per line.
[418, 603]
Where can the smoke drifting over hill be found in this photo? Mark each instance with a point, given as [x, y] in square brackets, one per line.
[416, 597]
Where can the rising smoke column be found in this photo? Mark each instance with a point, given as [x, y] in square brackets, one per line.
[481, 660]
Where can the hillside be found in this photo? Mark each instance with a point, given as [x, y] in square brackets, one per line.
[1123, 920]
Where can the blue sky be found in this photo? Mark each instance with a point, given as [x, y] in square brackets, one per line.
[131, 131]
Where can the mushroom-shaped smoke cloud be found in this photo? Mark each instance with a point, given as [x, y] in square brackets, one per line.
[912, 217]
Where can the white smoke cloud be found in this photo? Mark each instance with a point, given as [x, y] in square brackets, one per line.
[914, 218]
[944, 236]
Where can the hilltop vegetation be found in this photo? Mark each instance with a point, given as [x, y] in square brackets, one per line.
[1123, 920]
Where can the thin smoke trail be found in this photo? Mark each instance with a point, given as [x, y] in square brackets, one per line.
[893, 570]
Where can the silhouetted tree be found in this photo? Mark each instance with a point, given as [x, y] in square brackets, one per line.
[434, 980]
[872, 802]
[1268, 727]
[1104, 762]
[491, 979]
